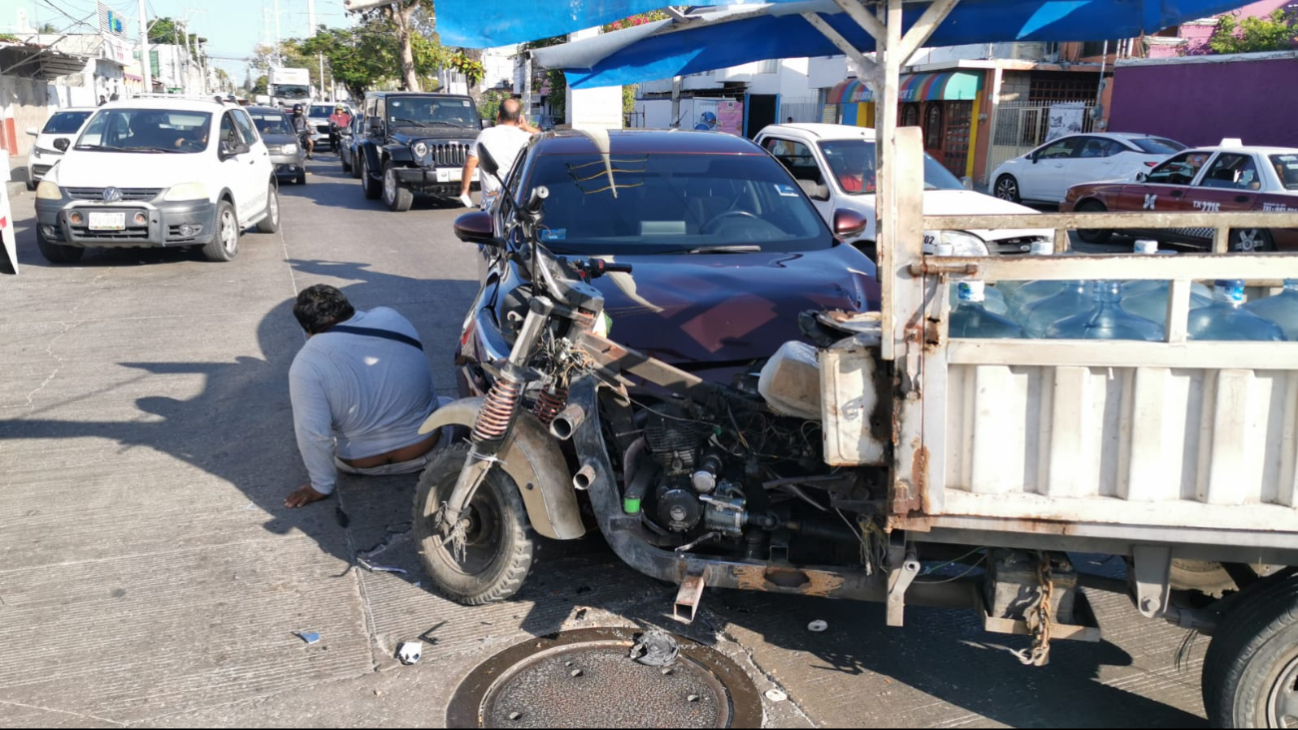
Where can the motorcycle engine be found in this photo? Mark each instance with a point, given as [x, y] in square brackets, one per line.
[693, 489]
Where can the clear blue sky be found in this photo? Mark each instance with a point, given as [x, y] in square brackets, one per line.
[231, 27]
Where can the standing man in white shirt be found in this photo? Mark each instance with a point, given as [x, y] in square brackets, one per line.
[504, 141]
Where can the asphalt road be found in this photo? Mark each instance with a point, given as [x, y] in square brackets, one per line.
[149, 574]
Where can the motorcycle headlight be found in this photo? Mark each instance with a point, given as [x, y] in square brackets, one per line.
[961, 243]
[420, 149]
[187, 191]
[48, 191]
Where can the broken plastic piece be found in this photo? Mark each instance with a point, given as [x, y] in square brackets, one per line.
[656, 649]
[380, 568]
[410, 652]
[776, 695]
[310, 637]
[817, 626]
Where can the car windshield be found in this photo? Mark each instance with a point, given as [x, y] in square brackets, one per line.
[65, 123]
[272, 123]
[431, 111]
[1157, 145]
[321, 110]
[1286, 166]
[292, 91]
[674, 203]
[146, 130]
[852, 163]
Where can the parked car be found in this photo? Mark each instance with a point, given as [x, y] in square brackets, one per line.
[1045, 174]
[727, 251]
[415, 143]
[52, 140]
[1211, 179]
[158, 172]
[318, 120]
[351, 137]
[276, 131]
[834, 164]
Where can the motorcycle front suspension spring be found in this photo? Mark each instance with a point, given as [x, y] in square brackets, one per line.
[549, 404]
[497, 410]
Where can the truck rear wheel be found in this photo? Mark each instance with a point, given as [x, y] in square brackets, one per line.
[1250, 675]
[1093, 235]
[498, 551]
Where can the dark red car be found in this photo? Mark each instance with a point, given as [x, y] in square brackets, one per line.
[726, 249]
[1208, 179]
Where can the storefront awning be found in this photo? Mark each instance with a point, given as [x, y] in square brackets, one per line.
[936, 86]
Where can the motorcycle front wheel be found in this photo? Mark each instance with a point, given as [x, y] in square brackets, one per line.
[499, 542]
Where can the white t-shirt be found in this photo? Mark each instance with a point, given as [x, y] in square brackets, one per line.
[504, 143]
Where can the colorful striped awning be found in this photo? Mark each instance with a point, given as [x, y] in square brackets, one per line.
[937, 86]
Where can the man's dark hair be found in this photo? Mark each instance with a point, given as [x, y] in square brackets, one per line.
[510, 111]
[320, 307]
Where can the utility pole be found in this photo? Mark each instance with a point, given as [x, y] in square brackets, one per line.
[278, 61]
[145, 65]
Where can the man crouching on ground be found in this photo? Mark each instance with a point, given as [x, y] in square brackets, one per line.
[361, 388]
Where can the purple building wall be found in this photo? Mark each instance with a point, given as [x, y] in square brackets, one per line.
[1202, 103]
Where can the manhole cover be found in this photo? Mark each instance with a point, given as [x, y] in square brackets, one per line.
[585, 678]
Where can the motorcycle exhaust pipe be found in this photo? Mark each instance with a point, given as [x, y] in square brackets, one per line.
[584, 477]
[565, 424]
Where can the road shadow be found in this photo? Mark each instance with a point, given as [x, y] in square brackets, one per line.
[329, 186]
[29, 254]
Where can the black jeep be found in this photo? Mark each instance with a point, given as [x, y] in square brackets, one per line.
[415, 143]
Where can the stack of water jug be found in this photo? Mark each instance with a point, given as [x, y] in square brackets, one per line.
[1116, 310]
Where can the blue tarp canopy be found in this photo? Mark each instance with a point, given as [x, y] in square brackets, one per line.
[713, 38]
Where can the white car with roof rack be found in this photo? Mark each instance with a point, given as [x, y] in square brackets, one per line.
[834, 165]
[154, 172]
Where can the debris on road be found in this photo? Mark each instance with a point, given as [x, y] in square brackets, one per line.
[310, 637]
[410, 652]
[776, 695]
[373, 568]
[655, 649]
[817, 626]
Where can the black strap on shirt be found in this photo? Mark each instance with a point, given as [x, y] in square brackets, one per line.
[382, 334]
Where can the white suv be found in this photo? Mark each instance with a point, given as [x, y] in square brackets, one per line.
[158, 172]
[834, 164]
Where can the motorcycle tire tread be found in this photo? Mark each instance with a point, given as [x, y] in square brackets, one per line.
[520, 550]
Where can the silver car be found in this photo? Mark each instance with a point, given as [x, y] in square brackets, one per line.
[286, 154]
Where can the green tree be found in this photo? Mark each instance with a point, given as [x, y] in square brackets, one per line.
[48, 28]
[260, 86]
[1274, 32]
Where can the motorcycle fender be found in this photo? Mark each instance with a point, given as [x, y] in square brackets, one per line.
[532, 458]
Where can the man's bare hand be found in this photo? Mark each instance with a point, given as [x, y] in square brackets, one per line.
[302, 496]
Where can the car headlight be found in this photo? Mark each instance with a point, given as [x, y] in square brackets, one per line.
[420, 149]
[288, 149]
[48, 191]
[187, 191]
[961, 243]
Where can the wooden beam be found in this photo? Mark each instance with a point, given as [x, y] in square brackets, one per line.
[856, 11]
[869, 69]
[923, 29]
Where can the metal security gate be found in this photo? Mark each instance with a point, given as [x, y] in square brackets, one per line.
[1021, 126]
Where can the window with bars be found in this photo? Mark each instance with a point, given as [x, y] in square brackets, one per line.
[1063, 87]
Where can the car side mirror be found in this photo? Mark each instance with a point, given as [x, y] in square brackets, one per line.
[61, 144]
[476, 227]
[1034, 156]
[487, 162]
[848, 224]
[1141, 177]
[33, 131]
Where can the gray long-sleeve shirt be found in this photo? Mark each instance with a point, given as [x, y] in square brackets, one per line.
[356, 396]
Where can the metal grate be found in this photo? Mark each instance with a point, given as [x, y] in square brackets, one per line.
[130, 234]
[128, 194]
[450, 154]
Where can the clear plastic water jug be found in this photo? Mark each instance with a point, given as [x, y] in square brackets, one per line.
[1105, 320]
[1036, 317]
[1280, 309]
[970, 317]
[1226, 319]
[1038, 248]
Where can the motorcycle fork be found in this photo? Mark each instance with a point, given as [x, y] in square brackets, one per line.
[495, 421]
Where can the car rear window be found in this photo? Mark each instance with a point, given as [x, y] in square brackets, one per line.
[852, 162]
[65, 123]
[272, 123]
[673, 203]
[1286, 166]
[1157, 145]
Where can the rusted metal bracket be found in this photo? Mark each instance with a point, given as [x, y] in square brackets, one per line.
[1152, 575]
[688, 596]
[902, 571]
[929, 265]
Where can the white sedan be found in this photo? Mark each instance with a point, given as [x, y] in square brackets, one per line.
[52, 140]
[1045, 174]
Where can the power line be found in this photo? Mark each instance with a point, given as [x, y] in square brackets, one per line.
[75, 21]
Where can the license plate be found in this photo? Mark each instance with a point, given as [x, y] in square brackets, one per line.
[448, 175]
[107, 221]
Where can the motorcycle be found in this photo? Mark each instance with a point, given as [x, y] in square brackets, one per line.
[689, 482]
